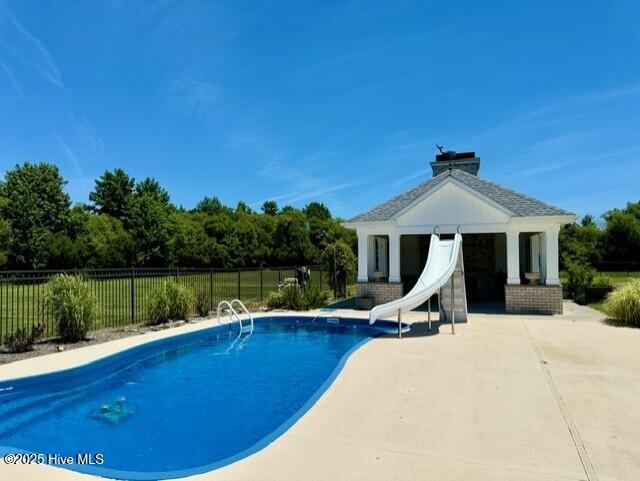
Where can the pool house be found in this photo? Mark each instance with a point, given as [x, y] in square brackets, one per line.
[510, 240]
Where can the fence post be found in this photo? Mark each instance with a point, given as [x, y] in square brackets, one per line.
[1, 304]
[261, 282]
[211, 289]
[335, 276]
[320, 276]
[133, 294]
[238, 283]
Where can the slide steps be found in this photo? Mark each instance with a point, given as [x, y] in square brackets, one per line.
[443, 274]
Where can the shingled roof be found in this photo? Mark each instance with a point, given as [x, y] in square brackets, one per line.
[519, 204]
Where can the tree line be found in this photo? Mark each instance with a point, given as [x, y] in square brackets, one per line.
[129, 223]
[616, 241]
[135, 223]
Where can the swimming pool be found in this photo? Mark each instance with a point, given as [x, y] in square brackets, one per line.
[182, 405]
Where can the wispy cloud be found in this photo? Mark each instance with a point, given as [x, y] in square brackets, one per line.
[275, 198]
[545, 155]
[358, 54]
[318, 156]
[87, 132]
[536, 162]
[527, 114]
[542, 143]
[613, 93]
[79, 185]
[28, 48]
[302, 183]
[72, 158]
[198, 96]
[539, 170]
[412, 145]
[310, 194]
[12, 79]
[323, 191]
[422, 173]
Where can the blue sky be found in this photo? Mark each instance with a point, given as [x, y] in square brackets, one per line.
[340, 102]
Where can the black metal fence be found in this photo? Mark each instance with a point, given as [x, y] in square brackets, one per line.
[122, 294]
[627, 267]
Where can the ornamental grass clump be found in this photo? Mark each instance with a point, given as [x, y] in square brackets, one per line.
[315, 297]
[294, 298]
[201, 303]
[623, 304]
[72, 306]
[287, 297]
[169, 301]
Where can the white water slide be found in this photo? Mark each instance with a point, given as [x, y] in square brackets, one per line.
[444, 274]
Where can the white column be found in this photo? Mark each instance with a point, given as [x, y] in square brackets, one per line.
[551, 255]
[383, 264]
[513, 258]
[543, 258]
[394, 257]
[372, 247]
[535, 253]
[363, 257]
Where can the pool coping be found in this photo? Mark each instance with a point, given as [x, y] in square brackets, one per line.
[63, 360]
[56, 361]
[100, 360]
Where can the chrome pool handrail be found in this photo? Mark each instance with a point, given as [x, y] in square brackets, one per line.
[246, 311]
[234, 314]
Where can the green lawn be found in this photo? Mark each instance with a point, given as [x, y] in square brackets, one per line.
[22, 305]
[619, 279]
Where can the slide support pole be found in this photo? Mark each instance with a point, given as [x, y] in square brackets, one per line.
[399, 324]
[453, 307]
[429, 304]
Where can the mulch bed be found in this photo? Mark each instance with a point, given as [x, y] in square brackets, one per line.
[94, 337]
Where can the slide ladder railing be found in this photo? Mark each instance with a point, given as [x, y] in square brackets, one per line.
[234, 314]
[452, 296]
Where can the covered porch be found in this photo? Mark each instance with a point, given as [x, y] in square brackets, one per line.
[500, 266]
[509, 240]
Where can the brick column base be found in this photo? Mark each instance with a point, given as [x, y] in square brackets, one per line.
[533, 299]
[380, 291]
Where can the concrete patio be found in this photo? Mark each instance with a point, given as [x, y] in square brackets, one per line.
[508, 397]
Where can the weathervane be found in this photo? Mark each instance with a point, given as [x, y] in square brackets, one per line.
[449, 155]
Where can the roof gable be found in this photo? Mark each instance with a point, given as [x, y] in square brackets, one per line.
[519, 205]
[451, 202]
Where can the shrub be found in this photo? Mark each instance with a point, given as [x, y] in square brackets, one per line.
[314, 297]
[580, 277]
[22, 340]
[340, 263]
[623, 304]
[72, 305]
[169, 300]
[274, 300]
[297, 299]
[202, 302]
[287, 297]
[600, 281]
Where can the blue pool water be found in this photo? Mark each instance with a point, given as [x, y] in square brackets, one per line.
[181, 405]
